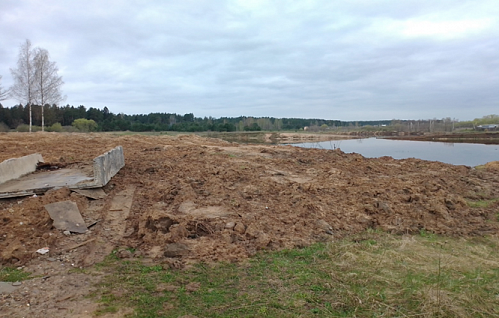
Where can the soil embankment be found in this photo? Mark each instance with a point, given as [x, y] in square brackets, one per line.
[474, 137]
[223, 201]
[185, 199]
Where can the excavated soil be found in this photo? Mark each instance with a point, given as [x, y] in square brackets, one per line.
[185, 199]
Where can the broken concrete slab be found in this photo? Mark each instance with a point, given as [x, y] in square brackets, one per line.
[66, 216]
[104, 168]
[17, 167]
[42, 181]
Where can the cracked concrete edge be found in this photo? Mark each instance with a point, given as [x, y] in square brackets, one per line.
[17, 167]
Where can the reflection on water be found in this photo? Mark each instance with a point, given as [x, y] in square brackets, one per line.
[453, 153]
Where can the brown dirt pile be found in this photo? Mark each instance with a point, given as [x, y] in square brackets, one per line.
[205, 199]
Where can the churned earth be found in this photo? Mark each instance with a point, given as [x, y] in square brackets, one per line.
[184, 199]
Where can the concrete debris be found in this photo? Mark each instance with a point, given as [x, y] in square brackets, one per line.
[43, 250]
[14, 168]
[17, 179]
[66, 216]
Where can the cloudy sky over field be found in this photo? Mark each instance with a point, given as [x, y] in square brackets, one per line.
[347, 60]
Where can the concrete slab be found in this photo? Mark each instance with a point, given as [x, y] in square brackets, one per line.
[66, 216]
[14, 168]
[98, 175]
[42, 181]
[106, 166]
[7, 288]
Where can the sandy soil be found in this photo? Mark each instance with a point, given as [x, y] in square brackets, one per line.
[186, 199]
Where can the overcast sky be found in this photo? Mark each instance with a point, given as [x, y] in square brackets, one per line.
[331, 59]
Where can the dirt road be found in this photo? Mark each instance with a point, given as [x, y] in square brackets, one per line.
[185, 199]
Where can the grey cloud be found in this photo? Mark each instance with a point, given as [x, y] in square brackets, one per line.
[323, 59]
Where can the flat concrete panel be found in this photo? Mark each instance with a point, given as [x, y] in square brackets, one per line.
[45, 180]
[17, 167]
[17, 183]
[66, 216]
[105, 167]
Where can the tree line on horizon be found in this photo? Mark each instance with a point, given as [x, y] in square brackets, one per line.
[17, 117]
[13, 117]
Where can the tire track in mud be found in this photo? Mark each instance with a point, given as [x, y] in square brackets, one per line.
[112, 228]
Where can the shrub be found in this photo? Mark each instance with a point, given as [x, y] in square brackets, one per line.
[25, 128]
[3, 127]
[84, 125]
[57, 127]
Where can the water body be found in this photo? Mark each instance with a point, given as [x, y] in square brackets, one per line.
[454, 153]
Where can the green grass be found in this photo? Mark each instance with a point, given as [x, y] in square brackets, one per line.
[370, 275]
[9, 274]
[481, 203]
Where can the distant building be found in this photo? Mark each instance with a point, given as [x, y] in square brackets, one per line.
[487, 127]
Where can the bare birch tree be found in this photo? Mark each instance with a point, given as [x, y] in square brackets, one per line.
[24, 78]
[36, 80]
[47, 82]
[3, 93]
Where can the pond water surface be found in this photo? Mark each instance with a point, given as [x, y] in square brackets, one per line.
[454, 153]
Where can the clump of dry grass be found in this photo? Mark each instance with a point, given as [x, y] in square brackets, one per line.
[421, 275]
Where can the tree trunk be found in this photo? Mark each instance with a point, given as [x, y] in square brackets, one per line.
[30, 117]
[43, 121]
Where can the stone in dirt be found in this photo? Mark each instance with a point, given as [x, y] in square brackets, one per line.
[66, 216]
[176, 250]
[192, 287]
[43, 250]
[323, 225]
[240, 228]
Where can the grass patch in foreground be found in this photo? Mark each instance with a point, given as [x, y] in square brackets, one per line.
[481, 203]
[369, 275]
[9, 274]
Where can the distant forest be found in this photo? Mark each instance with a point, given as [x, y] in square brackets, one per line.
[18, 115]
[93, 119]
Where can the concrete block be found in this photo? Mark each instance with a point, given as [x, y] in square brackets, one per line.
[105, 167]
[14, 168]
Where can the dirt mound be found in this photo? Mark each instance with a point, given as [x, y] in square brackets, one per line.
[194, 198]
[493, 165]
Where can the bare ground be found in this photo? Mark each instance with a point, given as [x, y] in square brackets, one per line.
[186, 199]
